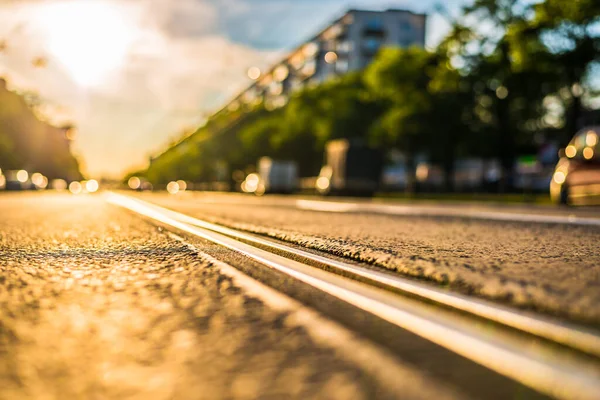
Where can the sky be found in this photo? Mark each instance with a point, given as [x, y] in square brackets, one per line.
[135, 75]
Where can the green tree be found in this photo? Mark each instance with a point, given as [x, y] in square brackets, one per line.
[426, 99]
[400, 78]
[568, 30]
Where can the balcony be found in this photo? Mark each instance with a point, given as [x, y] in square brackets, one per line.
[336, 32]
[374, 28]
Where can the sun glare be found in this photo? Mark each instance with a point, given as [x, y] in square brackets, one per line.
[90, 39]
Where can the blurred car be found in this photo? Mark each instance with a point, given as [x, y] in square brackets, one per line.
[576, 178]
[277, 176]
[59, 184]
[351, 168]
[17, 180]
[139, 184]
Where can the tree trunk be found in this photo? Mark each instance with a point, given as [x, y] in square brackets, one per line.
[574, 116]
[411, 182]
[449, 175]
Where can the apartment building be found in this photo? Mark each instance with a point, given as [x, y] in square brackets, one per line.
[350, 43]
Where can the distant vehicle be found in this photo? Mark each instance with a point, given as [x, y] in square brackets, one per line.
[395, 177]
[139, 184]
[58, 184]
[273, 176]
[17, 180]
[278, 176]
[351, 168]
[576, 178]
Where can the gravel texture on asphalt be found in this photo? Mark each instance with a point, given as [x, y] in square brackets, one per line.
[549, 268]
[96, 303]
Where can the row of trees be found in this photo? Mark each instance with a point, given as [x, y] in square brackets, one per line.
[28, 143]
[509, 73]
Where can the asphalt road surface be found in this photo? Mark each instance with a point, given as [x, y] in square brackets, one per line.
[501, 254]
[98, 303]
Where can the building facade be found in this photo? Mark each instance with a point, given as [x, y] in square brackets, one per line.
[350, 43]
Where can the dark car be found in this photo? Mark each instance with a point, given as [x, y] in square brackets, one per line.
[351, 168]
[17, 180]
[576, 179]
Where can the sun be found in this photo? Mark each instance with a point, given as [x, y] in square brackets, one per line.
[90, 39]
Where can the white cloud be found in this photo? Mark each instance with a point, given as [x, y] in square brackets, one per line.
[166, 82]
[182, 17]
[177, 60]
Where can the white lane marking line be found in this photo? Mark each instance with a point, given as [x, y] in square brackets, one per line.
[342, 207]
[326, 206]
[562, 380]
[574, 336]
[344, 342]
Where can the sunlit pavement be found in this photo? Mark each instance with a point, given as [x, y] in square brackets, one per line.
[541, 258]
[96, 303]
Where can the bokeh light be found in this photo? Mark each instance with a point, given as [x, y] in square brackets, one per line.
[173, 188]
[501, 92]
[39, 180]
[281, 73]
[251, 183]
[59, 184]
[422, 172]
[331, 57]
[254, 73]
[92, 186]
[134, 183]
[591, 139]
[75, 187]
[182, 185]
[22, 176]
[322, 183]
[559, 177]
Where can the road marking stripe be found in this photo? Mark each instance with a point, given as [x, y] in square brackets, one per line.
[570, 335]
[342, 207]
[544, 369]
[371, 357]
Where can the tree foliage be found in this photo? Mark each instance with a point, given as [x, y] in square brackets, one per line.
[28, 143]
[488, 90]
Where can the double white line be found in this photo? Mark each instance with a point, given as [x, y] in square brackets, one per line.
[548, 369]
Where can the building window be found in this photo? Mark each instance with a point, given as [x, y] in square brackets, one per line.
[406, 27]
[344, 47]
[374, 24]
[329, 45]
[371, 45]
[341, 67]
[407, 40]
[408, 34]
[375, 28]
